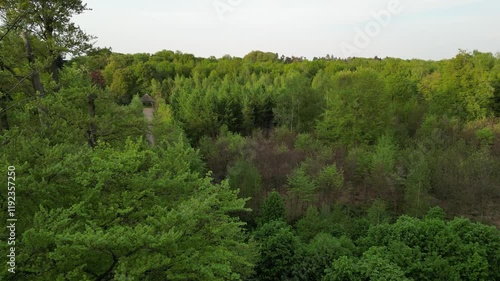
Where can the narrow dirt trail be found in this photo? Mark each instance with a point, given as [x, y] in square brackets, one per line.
[149, 114]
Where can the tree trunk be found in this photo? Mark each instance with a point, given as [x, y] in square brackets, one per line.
[55, 56]
[35, 77]
[4, 122]
[92, 132]
[55, 68]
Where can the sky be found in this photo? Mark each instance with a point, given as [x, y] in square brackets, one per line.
[423, 29]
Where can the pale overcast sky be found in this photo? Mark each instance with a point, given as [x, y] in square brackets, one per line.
[426, 29]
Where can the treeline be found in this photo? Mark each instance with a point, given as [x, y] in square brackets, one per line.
[413, 133]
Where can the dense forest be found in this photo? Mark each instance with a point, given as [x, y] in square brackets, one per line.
[264, 167]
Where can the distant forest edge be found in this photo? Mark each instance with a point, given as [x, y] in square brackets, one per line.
[255, 168]
[413, 133]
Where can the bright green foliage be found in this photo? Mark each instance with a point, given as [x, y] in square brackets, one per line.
[486, 136]
[115, 62]
[67, 115]
[377, 213]
[236, 144]
[307, 143]
[383, 174]
[273, 208]
[310, 225]
[436, 250]
[51, 22]
[245, 177]
[69, 111]
[129, 215]
[417, 184]
[371, 266]
[123, 85]
[338, 219]
[256, 56]
[406, 102]
[429, 249]
[165, 127]
[47, 30]
[194, 108]
[298, 106]
[342, 269]
[384, 157]
[316, 256]
[435, 213]
[277, 247]
[375, 266]
[359, 162]
[357, 108]
[302, 185]
[330, 178]
[463, 90]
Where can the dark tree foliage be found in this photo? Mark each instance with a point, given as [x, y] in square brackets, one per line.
[273, 208]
